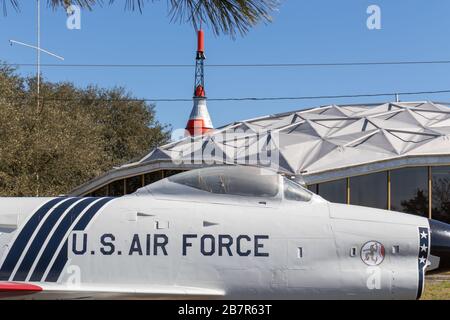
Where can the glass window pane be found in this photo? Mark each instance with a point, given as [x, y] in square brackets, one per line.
[102, 192]
[116, 188]
[334, 191]
[133, 184]
[295, 192]
[369, 190]
[409, 190]
[441, 193]
[247, 181]
[153, 177]
[168, 173]
[313, 188]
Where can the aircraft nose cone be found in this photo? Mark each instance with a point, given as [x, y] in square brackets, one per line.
[440, 244]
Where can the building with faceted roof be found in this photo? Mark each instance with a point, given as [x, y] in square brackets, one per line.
[390, 155]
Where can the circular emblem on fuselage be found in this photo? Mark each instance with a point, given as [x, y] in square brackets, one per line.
[372, 253]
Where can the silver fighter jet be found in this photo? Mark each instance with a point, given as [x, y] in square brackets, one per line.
[224, 232]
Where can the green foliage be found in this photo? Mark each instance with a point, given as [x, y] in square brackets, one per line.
[75, 135]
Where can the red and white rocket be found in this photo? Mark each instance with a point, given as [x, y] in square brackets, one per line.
[199, 121]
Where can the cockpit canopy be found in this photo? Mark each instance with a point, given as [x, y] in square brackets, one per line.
[238, 181]
[243, 181]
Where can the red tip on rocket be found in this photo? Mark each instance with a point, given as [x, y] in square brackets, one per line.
[200, 41]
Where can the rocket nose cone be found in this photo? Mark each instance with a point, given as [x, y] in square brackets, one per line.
[440, 244]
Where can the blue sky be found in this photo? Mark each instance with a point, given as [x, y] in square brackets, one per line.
[303, 31]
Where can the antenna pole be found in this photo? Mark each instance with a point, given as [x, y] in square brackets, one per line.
[38, 51]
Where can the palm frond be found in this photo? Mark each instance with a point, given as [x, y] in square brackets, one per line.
[85, 4]
[223, 16]
[14, 4]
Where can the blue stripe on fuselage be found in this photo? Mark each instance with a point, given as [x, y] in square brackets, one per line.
[24, 236]
[39, 239]
[87, 217]
[57, 237]
[62, 258]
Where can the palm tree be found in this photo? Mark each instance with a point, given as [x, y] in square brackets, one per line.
[224, 16]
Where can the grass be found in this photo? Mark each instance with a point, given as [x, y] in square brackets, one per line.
[436, 290]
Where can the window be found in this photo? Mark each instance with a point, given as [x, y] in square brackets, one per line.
[116, 188]
[101, 192]
[240, 181]
[313, 188]
[440, 192]
[152, 177]
[133, 183]
[369, 190]
[409, 190]
[168, 173]
[334, 191]
[295, 192]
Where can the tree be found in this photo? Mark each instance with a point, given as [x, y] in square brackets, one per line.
[441, 198]
[224, 16]
[76, 135]
[417, 205]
